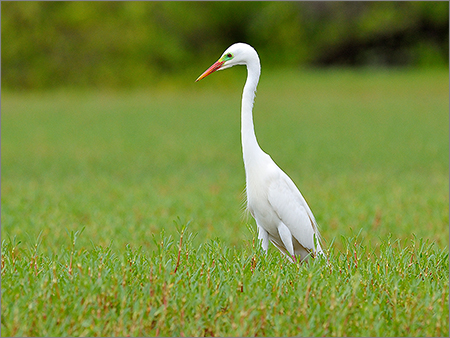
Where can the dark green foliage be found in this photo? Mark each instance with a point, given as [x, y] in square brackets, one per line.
[122, 44]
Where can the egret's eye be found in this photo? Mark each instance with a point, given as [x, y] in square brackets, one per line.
[229, 55]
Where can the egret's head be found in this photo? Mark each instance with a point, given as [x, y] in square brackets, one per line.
[237, 54]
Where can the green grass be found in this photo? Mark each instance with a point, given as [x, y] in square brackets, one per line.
[368, 149]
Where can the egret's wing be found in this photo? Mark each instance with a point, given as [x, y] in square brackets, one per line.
[293, 211]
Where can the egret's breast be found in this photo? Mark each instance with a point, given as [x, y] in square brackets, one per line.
[258, 182]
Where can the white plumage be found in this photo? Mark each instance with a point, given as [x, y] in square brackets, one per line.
[281, 213]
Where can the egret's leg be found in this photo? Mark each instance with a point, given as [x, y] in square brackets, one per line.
[286, 238]
[263, 236]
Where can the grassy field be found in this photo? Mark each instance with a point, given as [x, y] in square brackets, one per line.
[96, 188]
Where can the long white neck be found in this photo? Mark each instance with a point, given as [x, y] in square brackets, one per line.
[250, 147]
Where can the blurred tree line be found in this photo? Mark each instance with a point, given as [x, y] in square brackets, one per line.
[127, 44]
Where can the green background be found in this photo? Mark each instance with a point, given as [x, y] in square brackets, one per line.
[109, 149]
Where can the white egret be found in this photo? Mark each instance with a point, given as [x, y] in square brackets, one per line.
[279, 209]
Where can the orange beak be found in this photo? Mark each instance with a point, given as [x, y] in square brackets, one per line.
[212, 69]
